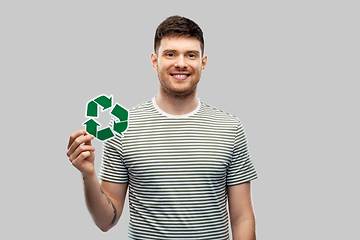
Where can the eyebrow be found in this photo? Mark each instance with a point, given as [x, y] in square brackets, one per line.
[189, 51]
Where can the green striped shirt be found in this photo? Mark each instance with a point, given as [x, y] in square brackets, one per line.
[177, 168]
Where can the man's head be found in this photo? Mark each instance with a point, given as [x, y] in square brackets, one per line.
[176, 26]
[179, 57]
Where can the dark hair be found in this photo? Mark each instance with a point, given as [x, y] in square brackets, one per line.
[176, 26]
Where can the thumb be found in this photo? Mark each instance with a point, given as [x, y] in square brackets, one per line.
[91, 138]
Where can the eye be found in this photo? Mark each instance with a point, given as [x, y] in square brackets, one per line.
[191, 55]
[170, 55]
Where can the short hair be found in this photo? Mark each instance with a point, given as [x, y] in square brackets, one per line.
[176, 26]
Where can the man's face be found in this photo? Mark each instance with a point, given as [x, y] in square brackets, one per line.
[179, 64]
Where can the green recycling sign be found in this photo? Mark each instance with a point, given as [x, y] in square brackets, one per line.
[119, 114]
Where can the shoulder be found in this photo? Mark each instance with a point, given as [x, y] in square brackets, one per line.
[142, 110]
[217, 114]
[142, 106]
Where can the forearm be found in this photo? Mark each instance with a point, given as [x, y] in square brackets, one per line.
[101, 208]
[244, 230]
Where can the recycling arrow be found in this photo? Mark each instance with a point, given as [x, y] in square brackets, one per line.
[92, 109]
[105, 134]
[120, 127]
[121, 113]
[104, 101]
[91, 126]
[120, 118]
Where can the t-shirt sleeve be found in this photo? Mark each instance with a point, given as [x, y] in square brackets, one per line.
[112, 167]
[241, 169]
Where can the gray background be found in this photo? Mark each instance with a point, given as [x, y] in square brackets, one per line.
[288, 69]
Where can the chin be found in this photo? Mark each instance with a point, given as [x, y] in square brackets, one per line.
[181, 93]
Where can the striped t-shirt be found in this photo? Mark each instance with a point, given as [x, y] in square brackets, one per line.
[177, 168]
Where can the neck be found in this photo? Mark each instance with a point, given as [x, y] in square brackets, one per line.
[175, 105]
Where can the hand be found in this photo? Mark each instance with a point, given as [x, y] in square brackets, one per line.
[81, 152]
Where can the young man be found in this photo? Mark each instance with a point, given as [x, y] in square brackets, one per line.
[181, 159]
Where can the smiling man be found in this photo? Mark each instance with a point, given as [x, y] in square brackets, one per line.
[181, 159]
[179, 63]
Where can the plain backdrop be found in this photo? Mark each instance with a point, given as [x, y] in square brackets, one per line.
[288, 69]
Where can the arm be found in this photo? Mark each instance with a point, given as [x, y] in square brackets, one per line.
[241, 212]
[105, 201]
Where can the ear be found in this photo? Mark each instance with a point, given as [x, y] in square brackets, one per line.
[154, 61]
[203, 62]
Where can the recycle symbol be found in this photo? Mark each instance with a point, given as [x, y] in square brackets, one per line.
[119, 115]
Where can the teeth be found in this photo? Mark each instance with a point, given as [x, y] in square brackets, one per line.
[180, 76]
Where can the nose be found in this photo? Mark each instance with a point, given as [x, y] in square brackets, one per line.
[181, 62]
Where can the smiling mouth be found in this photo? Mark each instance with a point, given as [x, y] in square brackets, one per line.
[180, 76]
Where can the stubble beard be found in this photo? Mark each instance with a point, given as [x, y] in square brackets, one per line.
[174, 93]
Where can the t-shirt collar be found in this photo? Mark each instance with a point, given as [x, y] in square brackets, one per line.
[176, 116]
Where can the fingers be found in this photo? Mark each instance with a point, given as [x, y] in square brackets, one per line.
[76, 141]
[88, 142]
[80, 151]
[77, 161]
[75, 135]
